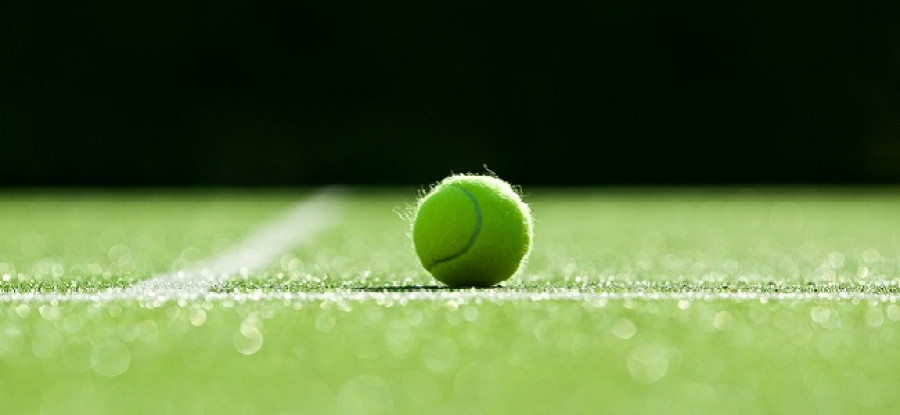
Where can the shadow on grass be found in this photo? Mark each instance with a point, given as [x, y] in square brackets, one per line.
[418, 288]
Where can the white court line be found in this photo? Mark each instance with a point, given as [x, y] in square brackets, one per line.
[298, 225]
[451, 297]
[497, 295]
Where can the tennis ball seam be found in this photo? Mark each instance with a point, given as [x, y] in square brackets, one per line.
[472, 239]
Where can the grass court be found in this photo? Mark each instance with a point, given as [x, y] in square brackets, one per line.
[779, 300]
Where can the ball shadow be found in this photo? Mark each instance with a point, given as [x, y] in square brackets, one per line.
[419, 288]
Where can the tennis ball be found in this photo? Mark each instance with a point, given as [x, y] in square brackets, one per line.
[472, 231]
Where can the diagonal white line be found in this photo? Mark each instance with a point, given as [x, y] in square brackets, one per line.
[298, 225]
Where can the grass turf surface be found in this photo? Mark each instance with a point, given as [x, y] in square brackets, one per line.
[631, 301]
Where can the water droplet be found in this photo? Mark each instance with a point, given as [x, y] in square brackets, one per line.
[49, 313]
[57, 270]
[836, 259]
[871, 255]
[819, 314]
[874, 317]
[110, 358]
[198, 317]
[118, 253]
[624, 329]
[470, 314]
[23, 310]
[893, 312]
[248, 340]
[722, 320]
[325, 322]
[648, 363]
[11, 340]
[825, 316]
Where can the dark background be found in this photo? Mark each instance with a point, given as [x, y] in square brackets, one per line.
[159, 93]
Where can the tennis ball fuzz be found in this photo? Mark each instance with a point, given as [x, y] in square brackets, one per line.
[472, 231]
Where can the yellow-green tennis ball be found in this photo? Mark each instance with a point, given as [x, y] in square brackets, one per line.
[472, 231]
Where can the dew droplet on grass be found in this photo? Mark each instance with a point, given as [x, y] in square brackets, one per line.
[624, 329]
[648, 363]
[722, 320]
[198, 317]
[111, 358]
[248, 340]
[12, 340]
[470, 314]
[874, 317]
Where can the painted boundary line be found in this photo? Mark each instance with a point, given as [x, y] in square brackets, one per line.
[490, 296]
[391, 296]
[297, 225]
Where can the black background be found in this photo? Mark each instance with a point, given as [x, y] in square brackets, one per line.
[169, 93]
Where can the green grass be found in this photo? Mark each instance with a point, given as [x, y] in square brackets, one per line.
[350, 323]
[102, 238]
